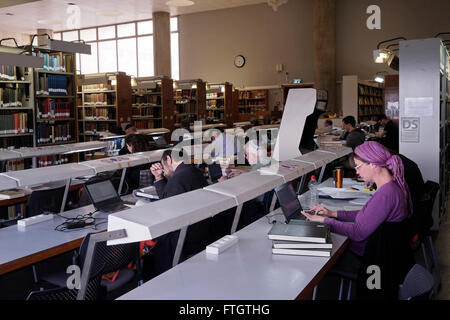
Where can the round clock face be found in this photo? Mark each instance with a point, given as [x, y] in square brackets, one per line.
[239, 61]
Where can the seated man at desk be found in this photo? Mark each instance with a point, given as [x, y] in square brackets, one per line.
[353, 136]
[174, 177]
[389, 136]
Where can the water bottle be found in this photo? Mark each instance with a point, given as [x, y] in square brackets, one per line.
[312, 186]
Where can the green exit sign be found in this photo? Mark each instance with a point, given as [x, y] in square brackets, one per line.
[297, 81]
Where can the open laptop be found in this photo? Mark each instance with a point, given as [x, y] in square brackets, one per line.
[290, 205]
[160, 141]
[104, 196]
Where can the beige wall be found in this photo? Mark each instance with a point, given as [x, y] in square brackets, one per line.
[22, 39]
[209, 41]
[412, 19]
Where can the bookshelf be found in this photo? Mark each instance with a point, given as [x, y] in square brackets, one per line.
[152, 103]
[17, 127]
[362, 99]
[190, 101]
[103, 103]
[219, 103]
[253, 104]
[55, 86]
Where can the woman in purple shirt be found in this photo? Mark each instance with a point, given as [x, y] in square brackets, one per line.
[390, 203]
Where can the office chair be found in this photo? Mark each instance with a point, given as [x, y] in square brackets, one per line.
[49, 200]
[388, 248]
[418, 284]
[115, 259]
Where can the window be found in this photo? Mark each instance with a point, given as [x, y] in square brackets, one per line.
[125, 47]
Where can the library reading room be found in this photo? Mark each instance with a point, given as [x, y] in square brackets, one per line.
[224, 150]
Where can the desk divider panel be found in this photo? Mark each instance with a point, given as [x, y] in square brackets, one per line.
[85, 146]
[161, 217]
[7, 182]
[338, 151]
[289, 170]
[115, 163]
[6, 155]
[152, 156]
[318, 159]
[246, 186]
[43, 175]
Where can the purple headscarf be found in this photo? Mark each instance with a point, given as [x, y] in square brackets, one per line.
[375, 153]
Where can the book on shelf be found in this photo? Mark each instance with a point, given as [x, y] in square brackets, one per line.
[15, 123]
[11, 97]
[303, 252]
[52, 160]
[15, 165]
[16, 211]
[97, 87]
[53, 133]
[52, 109]
[7, 73]
[304, 231]
[11, 194]
[50, 84]
[54, 61]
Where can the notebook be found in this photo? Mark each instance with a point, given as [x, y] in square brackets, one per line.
[304, 231]
[299, 252]
[148, 192]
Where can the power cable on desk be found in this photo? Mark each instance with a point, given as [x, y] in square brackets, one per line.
[79, 222]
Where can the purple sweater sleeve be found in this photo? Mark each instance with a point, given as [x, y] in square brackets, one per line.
[376, 210]
[348, 216]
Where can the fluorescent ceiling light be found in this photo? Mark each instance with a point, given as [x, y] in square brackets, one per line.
[379, 78]
[111, 13]
[49, 22]
[20, 60]
[179, 3]
[381, 55]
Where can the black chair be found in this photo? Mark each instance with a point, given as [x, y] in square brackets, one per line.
[388, 248]
[115, 259]
[424, 234]
[46, 200]
[418, 284]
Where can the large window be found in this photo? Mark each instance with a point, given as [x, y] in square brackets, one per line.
[126, 47]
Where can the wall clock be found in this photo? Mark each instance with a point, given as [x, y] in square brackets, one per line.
[239, 61]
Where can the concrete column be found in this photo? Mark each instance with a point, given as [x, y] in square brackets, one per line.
[324, 35]
[41, 40]
[161, 44]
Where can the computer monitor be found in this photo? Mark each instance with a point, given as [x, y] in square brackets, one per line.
[307, 143]
[160, 141]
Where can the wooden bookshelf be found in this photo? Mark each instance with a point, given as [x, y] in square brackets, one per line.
[253, 104]
[17, 126]
[189, 101]
[152, 103]
[103, 103]
[362, 99]
[55, 88]
[219, 103]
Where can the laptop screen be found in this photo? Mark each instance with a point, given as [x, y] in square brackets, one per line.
[160, 141]
[215, 171]
[290, 205]
[101, 191]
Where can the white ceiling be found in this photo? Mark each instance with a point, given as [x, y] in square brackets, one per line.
[92, 12]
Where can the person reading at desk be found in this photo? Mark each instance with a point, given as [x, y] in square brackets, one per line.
[389, 136]
[391, 203]
[328, 124]
[353, 136]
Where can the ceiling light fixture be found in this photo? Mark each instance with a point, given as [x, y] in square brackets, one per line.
[179, 3]
[379, 76]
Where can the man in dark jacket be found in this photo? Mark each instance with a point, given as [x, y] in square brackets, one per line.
[173, 177]
[353, 136]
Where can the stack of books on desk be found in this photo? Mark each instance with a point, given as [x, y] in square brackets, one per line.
[304, 238]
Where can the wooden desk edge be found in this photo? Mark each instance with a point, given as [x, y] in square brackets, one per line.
[306, 293]
[40, 256]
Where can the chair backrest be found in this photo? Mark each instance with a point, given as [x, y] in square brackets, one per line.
[387, 248]
[45, 200]
[417, 285]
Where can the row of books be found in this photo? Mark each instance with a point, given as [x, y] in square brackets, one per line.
[53, 133]
[7, 73]
[53, 160]
[50, 84]
[256, 94]
[146, 112]
[185, 94]
[11, 97]
[146, 124]
[300, 237]
[92, 128]
[370, 110]
[52, 109]
[367, 101]
[216, 114]
[146, 99]
[213, 95]
[370, 91]
[16, 211]
[56, 61]
[15, 123]
[97, 87]
[99, 99]
[98, 114]
[14, 165]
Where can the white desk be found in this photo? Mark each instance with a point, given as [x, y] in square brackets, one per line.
[41, 241]
[289, 170]
[7, 182]
[247, 270]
